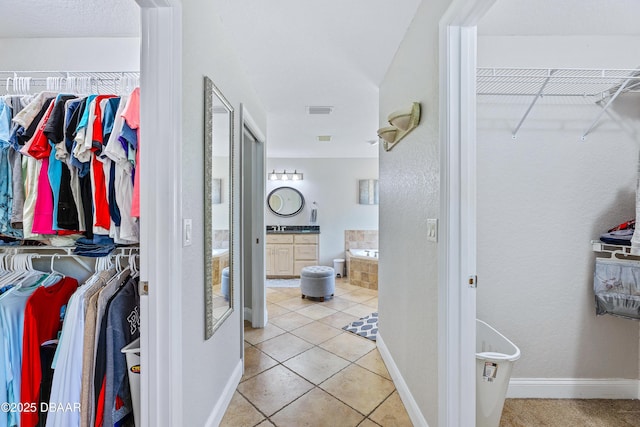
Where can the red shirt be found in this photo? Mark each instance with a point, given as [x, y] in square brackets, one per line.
[42, 321]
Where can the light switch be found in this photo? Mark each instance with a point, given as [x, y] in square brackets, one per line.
[432, 230]
[187, 232]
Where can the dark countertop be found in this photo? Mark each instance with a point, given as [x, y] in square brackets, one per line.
[294, 229]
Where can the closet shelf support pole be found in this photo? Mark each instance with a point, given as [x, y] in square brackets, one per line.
[538, 96]
[604, 109]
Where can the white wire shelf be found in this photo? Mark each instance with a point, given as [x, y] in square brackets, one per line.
[597, 86]
[591, 83]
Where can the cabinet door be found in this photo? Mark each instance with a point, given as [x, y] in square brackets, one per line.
[283, 260]
[270, 260]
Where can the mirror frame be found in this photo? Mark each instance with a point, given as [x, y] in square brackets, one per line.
[210, 90]
[285, 215]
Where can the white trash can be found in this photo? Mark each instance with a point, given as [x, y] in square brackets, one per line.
[495, 356]
[132, 352]
[338, 266]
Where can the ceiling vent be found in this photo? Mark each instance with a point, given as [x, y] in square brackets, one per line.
[323, 138]
[318, 109]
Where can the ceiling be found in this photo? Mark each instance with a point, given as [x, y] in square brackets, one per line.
[330, 53]
[561, 18]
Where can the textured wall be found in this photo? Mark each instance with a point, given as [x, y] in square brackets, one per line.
[207, 364]
[70, 54]
[409, 194]
[541, 199]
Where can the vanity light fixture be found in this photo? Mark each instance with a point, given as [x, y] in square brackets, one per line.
[285, 176]
[402, 123]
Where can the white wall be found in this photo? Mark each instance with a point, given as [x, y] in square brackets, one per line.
[333, 185]
[409, 194]
[207, 364]
[541, 199]
[70, 54]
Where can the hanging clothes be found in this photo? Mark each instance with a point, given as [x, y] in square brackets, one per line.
[67, 168]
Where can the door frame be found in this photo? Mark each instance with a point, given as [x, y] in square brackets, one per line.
[256, 187]
[161, 210]
[457, 278]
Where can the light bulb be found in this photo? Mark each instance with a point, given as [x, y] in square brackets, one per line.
[295, 175]
[273, 176]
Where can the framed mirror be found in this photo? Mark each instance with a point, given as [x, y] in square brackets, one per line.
[285, 201]
[218, 212]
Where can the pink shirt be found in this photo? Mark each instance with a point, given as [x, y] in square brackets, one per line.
[131, 114]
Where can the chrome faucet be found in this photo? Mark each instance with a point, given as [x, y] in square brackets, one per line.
[274, 228]
[282, 228]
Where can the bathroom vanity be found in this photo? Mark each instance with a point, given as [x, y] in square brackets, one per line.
[290, 249]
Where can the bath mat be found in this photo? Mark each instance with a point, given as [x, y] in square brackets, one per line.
[283, 283]
[365, 327]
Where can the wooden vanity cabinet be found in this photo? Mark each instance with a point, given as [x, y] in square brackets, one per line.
[288, 254]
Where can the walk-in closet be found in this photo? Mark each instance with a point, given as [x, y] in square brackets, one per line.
[69, 251]
[558, 143]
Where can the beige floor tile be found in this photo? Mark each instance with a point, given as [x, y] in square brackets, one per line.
[373, 362]
[372, 292]
[255, 362]
[366, 423]
[292, 292]
[316, 332]
[338, 303]
[290, 320]
[316, 364]
[273, 389]
[317, 409]
[359, 310]
[339, 319]
[266, 423]
[218, 312]
[359, 388]
[373, 303]
[277, 297]
[255, 336]
[338, 291]
[284, 346]
[392, 413]
[241, 413]
[316, 311]
[347, 287]
[219, 301]
[275, 310]
[348, 346]
[359, 296]
[295, 303]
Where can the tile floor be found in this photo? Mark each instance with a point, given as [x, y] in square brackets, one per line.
[304, 370]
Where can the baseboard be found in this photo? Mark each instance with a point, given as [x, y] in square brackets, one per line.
[409, 402]
[222, 404]
[573, 388]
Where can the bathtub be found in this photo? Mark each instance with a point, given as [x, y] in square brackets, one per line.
[364, 253]
[362, 268]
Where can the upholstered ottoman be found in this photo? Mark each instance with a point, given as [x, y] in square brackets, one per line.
[225, 283]
[317, 281]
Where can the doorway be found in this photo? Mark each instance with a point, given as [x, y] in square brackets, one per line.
[252, 214]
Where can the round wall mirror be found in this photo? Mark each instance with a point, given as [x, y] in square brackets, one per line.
[285, 201]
